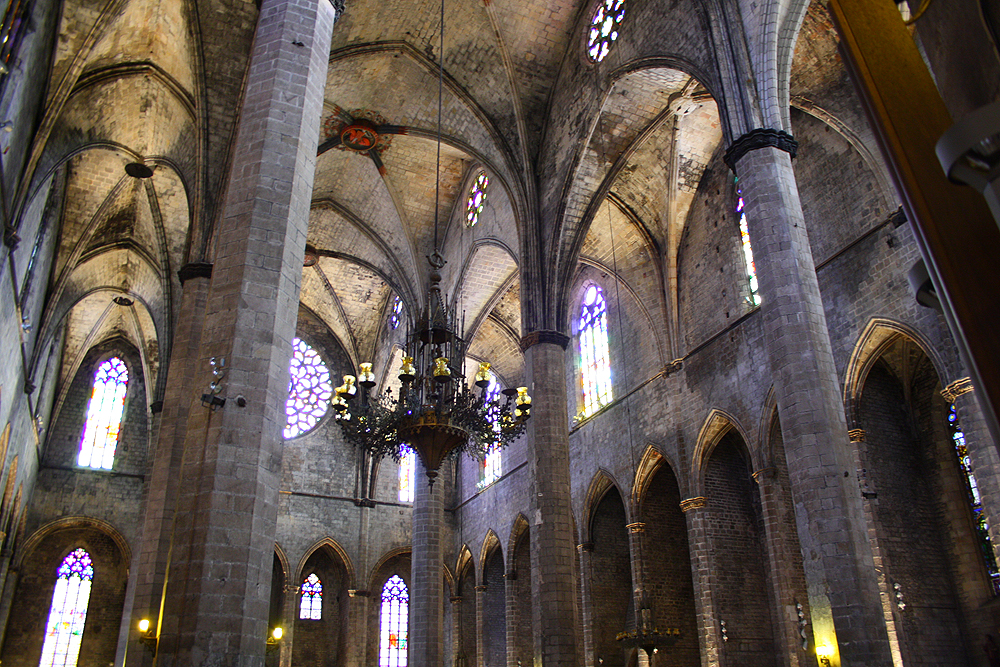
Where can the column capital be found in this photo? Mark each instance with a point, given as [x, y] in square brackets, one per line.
[585, 546]
[455, 599]
[957, 388]
[351, 592]
[856, 434]
[756, 139]
[194, 270]
[764, 474]
[544, 336]
[637, 527]
[481, 588]
[694, 503]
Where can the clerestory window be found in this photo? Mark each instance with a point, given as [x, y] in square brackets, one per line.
[595, 360]
[104, 416]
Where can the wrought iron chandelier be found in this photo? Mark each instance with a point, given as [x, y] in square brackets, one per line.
[435, 413]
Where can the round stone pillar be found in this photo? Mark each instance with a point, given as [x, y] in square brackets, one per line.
[426, 630]
[840, 574]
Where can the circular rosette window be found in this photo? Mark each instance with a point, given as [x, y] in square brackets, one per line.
[309, 390]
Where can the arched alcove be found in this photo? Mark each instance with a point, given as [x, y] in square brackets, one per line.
[735, 531]
[668, 568]
[611, 602]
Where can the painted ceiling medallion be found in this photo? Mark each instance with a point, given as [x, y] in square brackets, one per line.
[358, 130]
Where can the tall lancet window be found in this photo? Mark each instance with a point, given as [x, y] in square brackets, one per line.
[595, 361]
[104, 416]
[311, 603]
[393, 623]
[407, 471]
[68, 613]
[975, 501]
[754, 297]
[491, 464]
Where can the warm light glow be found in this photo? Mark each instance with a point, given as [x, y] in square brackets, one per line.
[824, 651]
[144, 625]
[276, 633]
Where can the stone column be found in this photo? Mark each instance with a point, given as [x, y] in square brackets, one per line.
[553, 584]
[480, 634]
[783, 556]
[510, 612]
[709, 636]
[426, 632]
[150, 562]
[456, 628]
[292, 601]
[840, 576]
[215, 604]
[587, 611]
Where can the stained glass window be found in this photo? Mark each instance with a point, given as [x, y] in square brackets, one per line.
[407, 471]
[104, 415]
[979, 520]
[309, 390]
[68, 613]
[397, 312]
[311, 604]
[751, 268]
[393, 623]
[604, 28]
[477, 199]
[491, 464]
[595, 361]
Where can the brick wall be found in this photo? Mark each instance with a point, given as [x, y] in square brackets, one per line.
[611, 579]
[322, 642]
[736, 535]
[495, 612]
[668, 569]
[908, 525]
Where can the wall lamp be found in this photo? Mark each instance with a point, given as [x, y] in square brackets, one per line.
[273, 642]
[147, 636]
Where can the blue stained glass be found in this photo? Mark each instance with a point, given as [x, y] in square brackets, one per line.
[311, 603]
[104, 415]
[393, 621]
[595, 360]
[68, 613]
[975, 501]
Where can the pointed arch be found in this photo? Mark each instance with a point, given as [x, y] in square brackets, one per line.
[337, 549]
[490, 542]
[386, 557]
[602, 482]
[74, 522]
[876, 337]
[282, 560]
[650, 463]
[768, 413]
[518, 529]
[716, 425]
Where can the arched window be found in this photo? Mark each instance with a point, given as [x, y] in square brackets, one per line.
[751, 268]
[104, 415]
[397, 312]
[477, 199]
[604, 28]
[407, 471]
[309, 390]
[392, 623]
[68, 613]
[595, 362]
[491, 463]
[975, 502]
[311, 604]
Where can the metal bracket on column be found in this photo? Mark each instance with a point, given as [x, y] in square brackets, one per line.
[756, 139]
